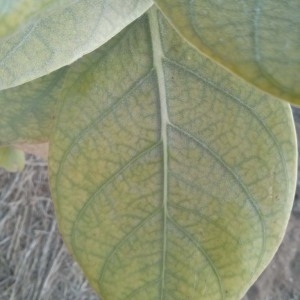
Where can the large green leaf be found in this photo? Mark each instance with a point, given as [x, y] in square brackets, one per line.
[27, 112]
[258, 40]
[15, 13]
[172, 179]
[61, 36]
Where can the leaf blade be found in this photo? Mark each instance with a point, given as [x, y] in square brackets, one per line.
[256, 40]
[16, 13]
[160, 202]
[63, 36]
[28, 112]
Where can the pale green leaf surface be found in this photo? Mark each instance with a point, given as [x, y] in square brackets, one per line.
[171, 178]
[27, 112]
[61, 37]
[11, 159]
[258, 40]
[16, 13]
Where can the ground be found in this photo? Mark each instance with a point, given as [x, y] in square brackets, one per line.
[34, 264]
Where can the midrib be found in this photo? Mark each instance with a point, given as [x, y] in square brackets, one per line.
[157, 62]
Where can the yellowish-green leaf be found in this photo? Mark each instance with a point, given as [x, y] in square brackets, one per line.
[258, 40]
[15, 13]
[172, 179]
[27, 112]
[62, 36]
[11, 159]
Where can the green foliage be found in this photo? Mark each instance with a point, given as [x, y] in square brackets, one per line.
[28, 111]
[172, 178]
[11, 159]
[16, 13]
[51, 40]
[258, 40]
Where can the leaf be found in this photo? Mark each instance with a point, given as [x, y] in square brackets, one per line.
[11, 159]
[15, 13]
[27, 112]
[258, 40]
[172, 179]
[62, 36]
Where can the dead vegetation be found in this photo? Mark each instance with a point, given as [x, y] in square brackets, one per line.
[34, 264]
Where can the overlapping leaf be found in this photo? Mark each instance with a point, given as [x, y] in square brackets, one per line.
[171, 178]
[27, 112]
[60, 36]
[258, 40]
[16, 13]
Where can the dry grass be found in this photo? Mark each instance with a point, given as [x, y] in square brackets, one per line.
[34, 264]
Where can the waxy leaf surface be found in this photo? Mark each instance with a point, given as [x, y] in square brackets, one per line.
[61, 36]
[27, 112]
[258, 40]
[172, 179]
